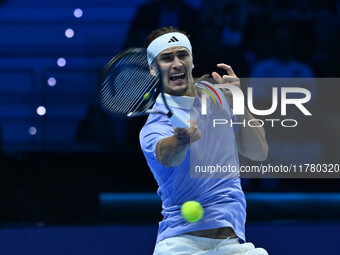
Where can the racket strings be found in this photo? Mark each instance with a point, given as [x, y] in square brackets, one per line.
[128, 97]
[127, 100]
[142, 87]
[115, 97]
[124, 77]
[150, 90]
[127, 83]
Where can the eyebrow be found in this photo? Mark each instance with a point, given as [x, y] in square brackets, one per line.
[171, 53]
[166, 54]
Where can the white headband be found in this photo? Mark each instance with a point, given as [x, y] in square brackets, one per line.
[167, 41]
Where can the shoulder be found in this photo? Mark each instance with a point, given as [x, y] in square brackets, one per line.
[211, 89]
[157, 126]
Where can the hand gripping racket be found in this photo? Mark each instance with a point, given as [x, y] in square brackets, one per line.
[127, 88]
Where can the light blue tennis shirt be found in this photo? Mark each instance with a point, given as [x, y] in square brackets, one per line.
[222, 198]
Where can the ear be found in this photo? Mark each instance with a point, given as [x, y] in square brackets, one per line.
[152, 71]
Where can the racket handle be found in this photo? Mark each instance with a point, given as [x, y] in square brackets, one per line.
[179, 122]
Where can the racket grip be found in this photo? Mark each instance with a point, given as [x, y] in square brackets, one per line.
[179, 122]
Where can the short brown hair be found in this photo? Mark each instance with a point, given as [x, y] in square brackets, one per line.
[162, 31]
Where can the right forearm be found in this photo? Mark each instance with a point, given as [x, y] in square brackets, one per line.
[170, 151]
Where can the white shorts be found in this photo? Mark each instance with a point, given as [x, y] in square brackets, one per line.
[195, 245]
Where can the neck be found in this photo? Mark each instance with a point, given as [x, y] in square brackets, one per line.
[191, 91]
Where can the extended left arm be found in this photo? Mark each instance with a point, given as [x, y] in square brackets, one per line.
[251, 141]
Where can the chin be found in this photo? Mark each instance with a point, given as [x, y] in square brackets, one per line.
[180, 90]
[174, 89]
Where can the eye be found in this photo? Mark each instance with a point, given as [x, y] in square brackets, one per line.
[167, 58]
[183, 55]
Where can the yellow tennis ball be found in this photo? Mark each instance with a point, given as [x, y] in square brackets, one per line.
[192, 211]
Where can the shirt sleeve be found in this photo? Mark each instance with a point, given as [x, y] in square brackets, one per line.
[156, 128]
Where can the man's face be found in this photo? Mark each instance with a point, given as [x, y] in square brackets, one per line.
[176, 69]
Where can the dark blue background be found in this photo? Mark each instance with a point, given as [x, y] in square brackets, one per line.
[54, 178]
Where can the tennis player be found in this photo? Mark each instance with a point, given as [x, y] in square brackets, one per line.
[171, 154]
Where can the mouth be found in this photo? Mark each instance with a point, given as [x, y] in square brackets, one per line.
[177, 77]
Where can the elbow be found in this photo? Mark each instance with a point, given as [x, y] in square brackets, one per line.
[259, 154]
[170, 164]
[262, 154]
[261, 157]
[265, 152]
[170, 160]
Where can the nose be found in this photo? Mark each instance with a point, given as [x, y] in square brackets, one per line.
[177, 64]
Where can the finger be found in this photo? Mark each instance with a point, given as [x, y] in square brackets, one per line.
[227, 68]
[217, 77]
[184, 129]
[179, 131]
[193, 124]
[194, 132]
[186, 132]
[227, 78]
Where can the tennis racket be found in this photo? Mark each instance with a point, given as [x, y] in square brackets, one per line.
[127, 88]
